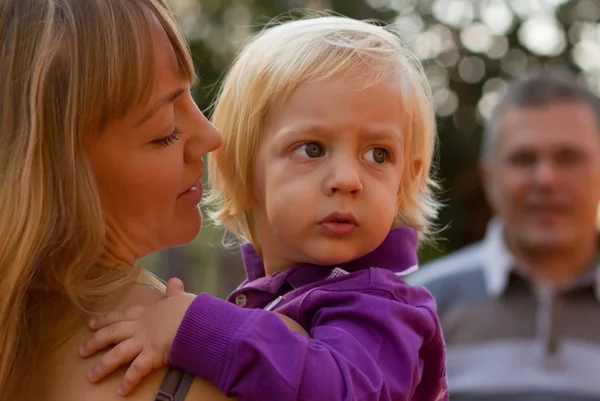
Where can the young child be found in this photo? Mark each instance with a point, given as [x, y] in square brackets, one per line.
[328, 135]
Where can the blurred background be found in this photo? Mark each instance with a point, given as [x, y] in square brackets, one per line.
[470, 48]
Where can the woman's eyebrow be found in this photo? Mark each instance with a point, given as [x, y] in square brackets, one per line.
[162, 102]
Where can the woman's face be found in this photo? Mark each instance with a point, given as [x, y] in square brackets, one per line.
[148, 165]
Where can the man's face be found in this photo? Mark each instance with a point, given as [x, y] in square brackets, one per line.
[543, 175]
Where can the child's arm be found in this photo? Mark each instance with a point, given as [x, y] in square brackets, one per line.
[380, 345]
[376, 345]
[143, 335]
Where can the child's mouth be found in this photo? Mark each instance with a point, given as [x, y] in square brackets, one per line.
[338, 225]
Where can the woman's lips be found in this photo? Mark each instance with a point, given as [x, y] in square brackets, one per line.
[192, 195]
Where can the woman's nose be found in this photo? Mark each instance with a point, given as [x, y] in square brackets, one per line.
[205, 139]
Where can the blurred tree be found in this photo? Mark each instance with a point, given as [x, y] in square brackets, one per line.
[470, 49]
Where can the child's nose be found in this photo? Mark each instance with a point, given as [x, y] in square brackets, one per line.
[344, 178]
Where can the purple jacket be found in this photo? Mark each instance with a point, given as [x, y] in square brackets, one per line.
[373, 336]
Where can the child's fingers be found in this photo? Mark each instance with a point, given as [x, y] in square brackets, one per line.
[174, 287]
[132, 313]
[140, 367]
[121, 354]
[106, 336]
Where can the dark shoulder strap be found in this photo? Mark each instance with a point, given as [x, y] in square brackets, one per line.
[174, 386]
[186, 383]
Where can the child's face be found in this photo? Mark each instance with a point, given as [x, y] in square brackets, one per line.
[328, 173]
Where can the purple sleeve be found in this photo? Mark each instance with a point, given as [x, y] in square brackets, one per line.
[363, 346]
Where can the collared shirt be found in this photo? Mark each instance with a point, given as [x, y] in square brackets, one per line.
[372, 336]
[499, 264]
[509, 337]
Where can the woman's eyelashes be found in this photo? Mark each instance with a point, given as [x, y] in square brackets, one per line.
[314, 150]
[169, 139]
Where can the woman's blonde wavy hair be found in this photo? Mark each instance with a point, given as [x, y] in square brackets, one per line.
[67, 68]
[283, 57]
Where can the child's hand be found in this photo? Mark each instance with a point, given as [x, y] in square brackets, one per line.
[141, 334]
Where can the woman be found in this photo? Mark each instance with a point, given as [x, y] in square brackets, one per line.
[100, 160]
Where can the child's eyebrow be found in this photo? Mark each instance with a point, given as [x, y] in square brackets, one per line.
[373, 133]
[300, 129]
[384, 135]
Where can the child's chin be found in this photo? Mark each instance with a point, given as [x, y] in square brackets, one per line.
[333, 259]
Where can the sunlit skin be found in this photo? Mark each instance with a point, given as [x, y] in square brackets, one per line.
[328, 173]
[149, 164]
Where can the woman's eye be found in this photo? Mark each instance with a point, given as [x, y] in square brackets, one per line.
[168, 140]
[377, 155]
[311, 149]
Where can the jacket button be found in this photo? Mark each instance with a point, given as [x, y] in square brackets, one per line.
[241, 300]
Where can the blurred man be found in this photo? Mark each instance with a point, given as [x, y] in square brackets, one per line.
[521, 309]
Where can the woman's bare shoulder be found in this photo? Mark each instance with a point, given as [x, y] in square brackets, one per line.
[64, 374]
[199, 390]
[66, 380]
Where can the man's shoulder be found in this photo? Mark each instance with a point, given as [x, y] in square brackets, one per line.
[463, 261]
[454, 277]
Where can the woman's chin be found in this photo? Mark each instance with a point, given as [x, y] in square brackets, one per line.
[185, 232]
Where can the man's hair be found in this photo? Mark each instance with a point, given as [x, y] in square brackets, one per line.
[539, 88]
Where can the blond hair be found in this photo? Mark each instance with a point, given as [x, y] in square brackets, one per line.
[67, 68]
[282, 58]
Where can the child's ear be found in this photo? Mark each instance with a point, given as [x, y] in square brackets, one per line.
[417, 165]
[414, 169]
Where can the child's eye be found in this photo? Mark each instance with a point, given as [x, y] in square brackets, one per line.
[377, 155]
[168, 140]
[311, 149]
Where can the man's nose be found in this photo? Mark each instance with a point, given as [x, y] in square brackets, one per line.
[546, 173]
